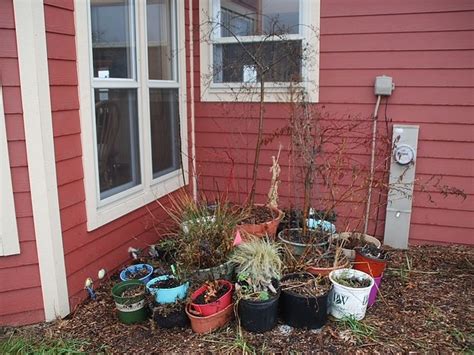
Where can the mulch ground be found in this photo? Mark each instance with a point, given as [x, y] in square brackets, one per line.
[426, 305]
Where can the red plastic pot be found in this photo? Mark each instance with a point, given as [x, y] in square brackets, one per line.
[218, 305]
[373, 267]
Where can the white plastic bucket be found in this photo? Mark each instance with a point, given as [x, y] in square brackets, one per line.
[348, 301]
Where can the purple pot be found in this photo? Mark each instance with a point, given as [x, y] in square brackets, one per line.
[374, 290]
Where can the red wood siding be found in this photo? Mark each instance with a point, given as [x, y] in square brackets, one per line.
[85, 252]
[21, 299]
[428, 49]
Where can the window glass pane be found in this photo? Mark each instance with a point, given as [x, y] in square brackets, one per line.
[112, 38]
[160, 50]
[259, 17]
[165, 142]
[117, 140]
[233, 64]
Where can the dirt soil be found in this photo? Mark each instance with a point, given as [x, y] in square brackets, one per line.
[259, 214]
[425, 304]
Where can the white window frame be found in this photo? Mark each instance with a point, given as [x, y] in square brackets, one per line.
[275, 92]
[101, 212]
[9, 241]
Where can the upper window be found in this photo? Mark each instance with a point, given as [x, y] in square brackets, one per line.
[136, 101]
[245, 42]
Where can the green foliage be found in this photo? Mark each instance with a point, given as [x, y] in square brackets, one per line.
[24, 345]
[258, 262]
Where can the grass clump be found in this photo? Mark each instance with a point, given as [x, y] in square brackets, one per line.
[361, 331]
[258, 265]
[202, 234]
[25, 345]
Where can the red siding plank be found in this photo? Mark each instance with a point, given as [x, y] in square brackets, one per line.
[61, 46]
[6, 15]
[62, 72]
[66, 123]
[420, 22]
[66, 4]
[14, 126]
[9, 75]
[64, 98]
[7, 43]
[59, 20]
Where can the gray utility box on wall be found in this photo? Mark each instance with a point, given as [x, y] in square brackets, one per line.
[401, 183]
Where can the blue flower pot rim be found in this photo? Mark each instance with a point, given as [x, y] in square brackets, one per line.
[160, 278]
[132, 267]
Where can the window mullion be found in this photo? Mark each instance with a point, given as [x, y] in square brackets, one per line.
[145, 96]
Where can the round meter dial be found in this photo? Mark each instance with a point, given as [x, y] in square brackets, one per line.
[404, 154]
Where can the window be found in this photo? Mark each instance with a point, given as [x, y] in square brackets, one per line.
[281, 34]
[131, 78]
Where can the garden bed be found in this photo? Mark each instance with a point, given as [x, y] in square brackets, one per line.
[424, 305]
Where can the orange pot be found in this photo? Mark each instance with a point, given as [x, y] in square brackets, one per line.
[324, 271]
[371, 266]
[210, 323]
[263, 229]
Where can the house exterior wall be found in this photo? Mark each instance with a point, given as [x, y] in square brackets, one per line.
[21, 299]
[427, 47]
[106, 247]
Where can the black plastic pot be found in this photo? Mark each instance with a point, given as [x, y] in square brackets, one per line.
[259, 316]
[172, 320]
[303, 312]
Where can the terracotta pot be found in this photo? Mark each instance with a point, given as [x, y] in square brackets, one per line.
[350, 253]
[263, 229]
[218, 305]
[212, 322]
[373, 267]
[325, 271]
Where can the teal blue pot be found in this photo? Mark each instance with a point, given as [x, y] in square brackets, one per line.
[167, 295]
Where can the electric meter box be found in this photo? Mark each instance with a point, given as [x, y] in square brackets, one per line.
[384, 85]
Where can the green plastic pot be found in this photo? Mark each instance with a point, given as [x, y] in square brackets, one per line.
[130, 309]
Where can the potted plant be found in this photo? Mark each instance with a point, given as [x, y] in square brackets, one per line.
[167, 288]
[258, 272]
[129, 297]
[211, 298]
[371, 260]
[141, 272]
[353, 240]
[304, 299]
[170, 315]
[323, 261]
[351, 293]
[201, 237]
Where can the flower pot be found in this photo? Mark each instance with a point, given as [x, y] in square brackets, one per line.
[129, 309]
[350, 253]
[224, 271]
[263, 229]
[258, 316]
[173, 320]
[212, 322]
[325, 271]
[374, 290]
[212, 307]
[348, 301]
[301, 311]
[297, 248]
[373, 267]
[167, 295]
[134, 268]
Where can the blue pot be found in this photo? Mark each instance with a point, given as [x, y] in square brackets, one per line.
[134, 268]
[167, 295]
